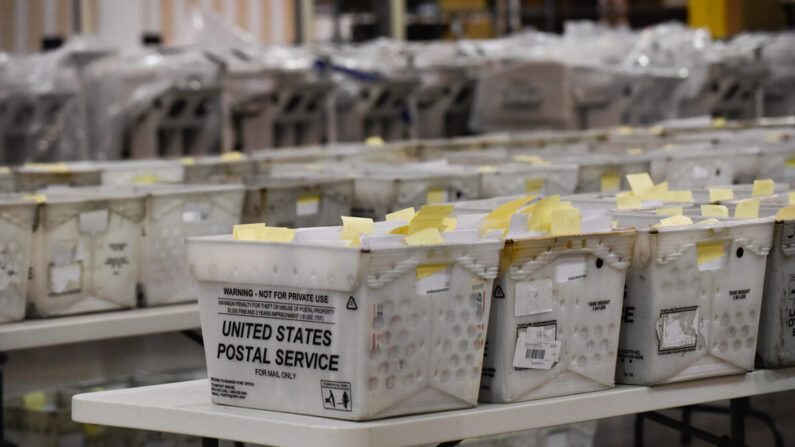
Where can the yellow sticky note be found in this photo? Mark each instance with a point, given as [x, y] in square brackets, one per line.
[540, 219]
[670, 147]
[656, 130]
[435, 195]
[791, 163]
[714, 211]
[763, 188]
[635, 151]
[374, 140]
[450, 223]
[626, 201]
[626, 130]
[671, 211]
[35, 400]
[313, 167]
[5, 170]
[678, 196]
[614, 224]
[424, 271]
[248, 232]
[426, 236]
[278, 234]
[711, 220]
[352, 227]
[309, 199]
[719, 195]
[786, 213]
[791, 198]
[57, 168]
[656, 192]
[231, 156]
[506, 210]
[719, 122]
[747, 209]
[38, 198]
[610, 181]
[487, 170]
[535, 160]
[533, 186]
[674, 220]
[146, 179]
[430, 216]
[400, 230]
[405, 214]
[709, 251]
[187, 161]
[564, 221]
[640, 183]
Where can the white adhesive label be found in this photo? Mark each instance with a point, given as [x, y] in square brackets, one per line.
[536, 348]
[66, 278]
[434, 283]
[677, 330]
[533, 297]
[308, 205]
[700, 172]
[570, 268]
[93, 222]
[194, 212]
[558, 439]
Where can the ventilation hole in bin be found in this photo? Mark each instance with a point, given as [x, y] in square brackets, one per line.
[737, 345]
[464, 316]
[732, 331]
[724, 320]
[460, 375]
[582, 361]
[445, 376]
[390, 382]
[454, 360]
[750, 342]
[752, 314]
[403, 335]
[414, 319]
[383, 368]
[395, 321]
[738, 317]
[597, 331]
[372, 384]
[744, 331]
[392, 354]
[589, 346]
[410, 350]
[386, 337]
[476, 345]
[456, 331]
[447, 346]
[471, 330]
[597, 358]
[603, 345]
[723, 346]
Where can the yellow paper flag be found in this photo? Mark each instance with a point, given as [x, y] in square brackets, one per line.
[187, 161]
[714, 211]
[500, 218]
[146, 179]
[747, 209]
[424, 271]
[58, 168]
[353, 227]
[5, 170]
[674, 220]
[426, 236]
[487, 170]
[719, 122]
[231, 156]
[248, 232]
[678, 196]
[610, 181]
[533, 186]
[626, 130]
[565, 221]
[35, 400]
[435, 195]
[38, 198]
[640, 183]
[400, 230]
[535, 160]
[671, 211]
[405, 214]
[374, 141]
[786, 213]
[540, 219]
[450, 223]
[791, 198]
[430, 216]
[709, 251]
[718, 194]
[791, 163]
[763, 188]
[626, 201]
[635, 151]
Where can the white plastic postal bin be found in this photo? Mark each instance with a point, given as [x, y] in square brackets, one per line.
[174, 213]
[605, 172]
[776, 345]
[85, 252]
[555, 316]
[580, 434]
[343, 332]
[698, 166]
[16, 230]
[32, 178]
[694, 295]
[526, 179]
[131, 172]
[297, 202]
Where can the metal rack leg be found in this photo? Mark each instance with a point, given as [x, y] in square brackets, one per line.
[209, 442]
[738, 409]
[639, 430]
[687, 413]
[3, 442]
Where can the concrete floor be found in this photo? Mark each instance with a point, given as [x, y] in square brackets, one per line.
[618, 431]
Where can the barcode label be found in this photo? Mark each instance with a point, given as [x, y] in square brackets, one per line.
[535, 354]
